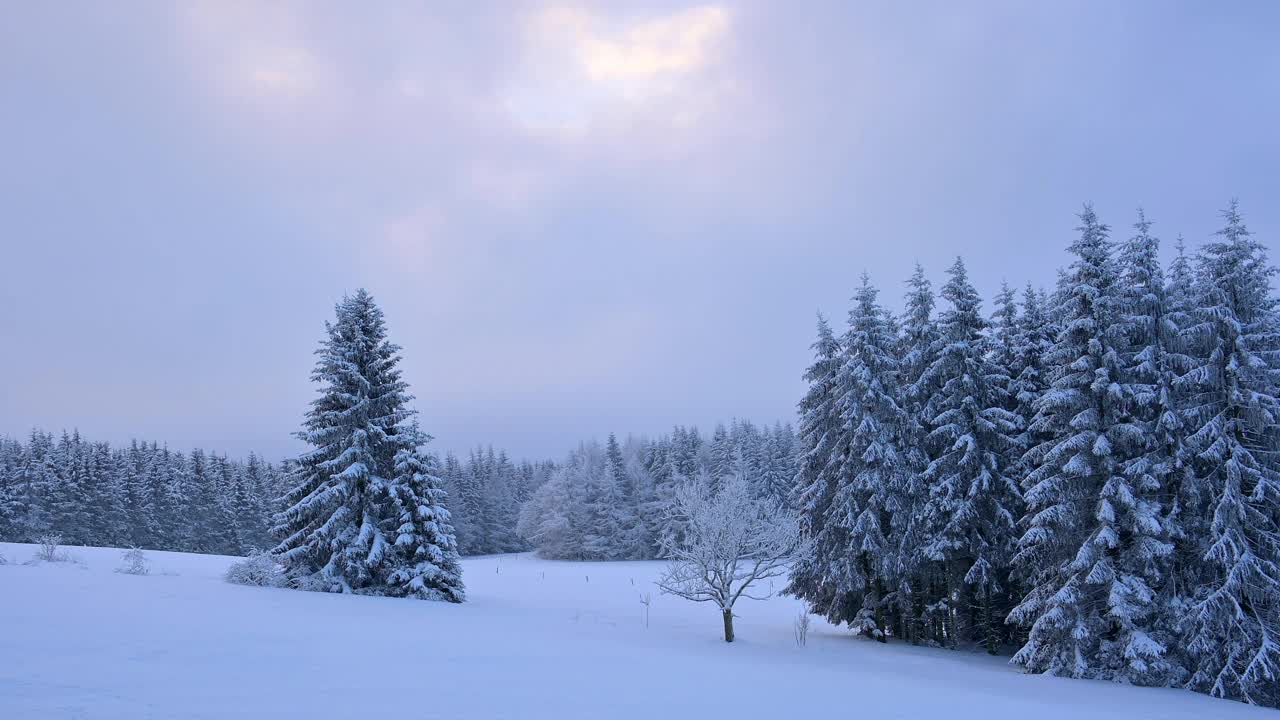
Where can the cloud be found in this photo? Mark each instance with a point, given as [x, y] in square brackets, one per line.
[255, 53]
[413, 241]
[673, 45]
[417, 133]
[581, 68]
[285, 72]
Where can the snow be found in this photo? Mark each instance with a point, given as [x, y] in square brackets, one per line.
[536, 639]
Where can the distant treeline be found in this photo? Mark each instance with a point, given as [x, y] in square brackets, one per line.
[145, 495]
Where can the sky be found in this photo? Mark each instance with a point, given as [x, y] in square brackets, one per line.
[578, 217]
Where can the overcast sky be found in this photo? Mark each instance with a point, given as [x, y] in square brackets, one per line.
[577, 217]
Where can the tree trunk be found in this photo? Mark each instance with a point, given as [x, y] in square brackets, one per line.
[728, 624]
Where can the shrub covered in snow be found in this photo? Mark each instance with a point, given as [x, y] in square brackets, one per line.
[259, 569]
[49, 550]
[134, 562]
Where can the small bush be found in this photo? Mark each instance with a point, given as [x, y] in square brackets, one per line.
[258, 569]
[802, 629]
[49, 548]
[134, 563]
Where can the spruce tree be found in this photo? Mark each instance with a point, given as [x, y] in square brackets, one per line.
[248, 507]
[1235, 415]
[974, 504]
[140, 504]
[1083, 519]
[454, 479]
[1002, 345]
[363, 514]
[630, 543]
[1137, 646]
[111, 498]
[723, 453]
[865, 498]
[777, 476]
[823, 446]
[206, 517]
[1185, 506]
[1029, 376]
[11, 508]
[429, 567]
[918, 348]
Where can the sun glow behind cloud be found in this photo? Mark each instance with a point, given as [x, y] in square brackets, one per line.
[564, 92]
[580, 67]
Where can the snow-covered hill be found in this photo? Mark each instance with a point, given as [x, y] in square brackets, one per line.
[536, 639]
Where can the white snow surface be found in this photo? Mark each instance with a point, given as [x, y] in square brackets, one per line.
[536, 639]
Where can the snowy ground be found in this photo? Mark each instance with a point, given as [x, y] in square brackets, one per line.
[537, 639]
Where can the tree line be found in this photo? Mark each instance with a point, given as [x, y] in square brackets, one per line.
[1090, 478]
[484, 496]
[144, 495]
[610, 501]
[614, 502]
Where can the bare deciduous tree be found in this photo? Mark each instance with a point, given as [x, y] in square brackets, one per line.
[731, 541]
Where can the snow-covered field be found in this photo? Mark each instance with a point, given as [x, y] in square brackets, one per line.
[537, 639]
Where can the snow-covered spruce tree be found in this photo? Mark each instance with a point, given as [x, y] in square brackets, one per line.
[722, 454]
[249, 505]
[749, 452]
[11, 508]
[848, 572]
[599, 524]
[1143, 603]
[1235, 635]
[1002, 344]
[1185, 502]
[364, 514]
[777, 476]
[545, 521]
[428, 566]
[1086, 529]
[1029, 377]
[219, 525]
[630, 543]
[866, 496]
[971, 514]
[111, 517]
[917, 348]
[823, 449]
[68, 514]
[685, 448]
[463, 502]
[477, 504]
[499, 487]
[149, 481]
[206, 517]
[657, 493]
